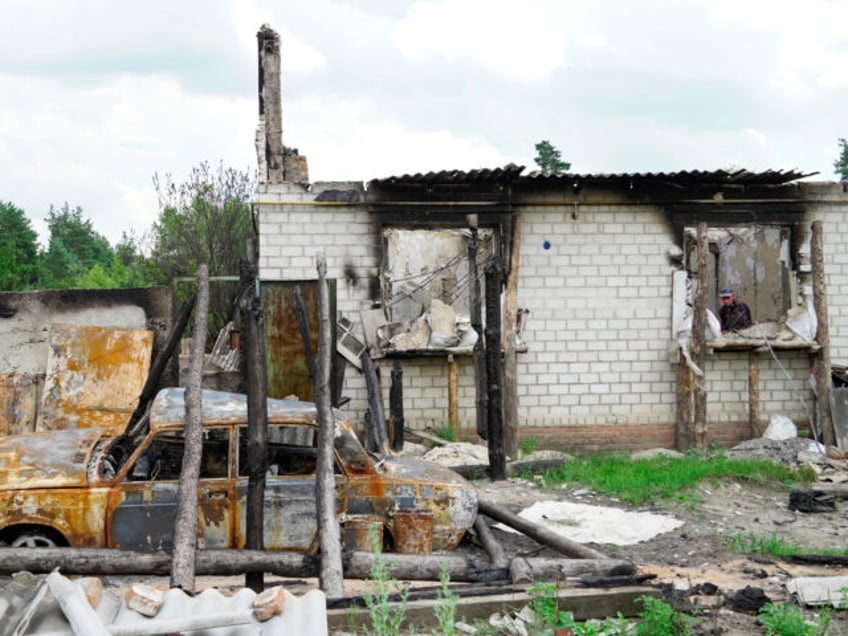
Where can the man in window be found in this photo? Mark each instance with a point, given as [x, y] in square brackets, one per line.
[734, 314]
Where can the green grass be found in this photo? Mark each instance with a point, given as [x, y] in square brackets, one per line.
[445, 432]
[529, 445]
[775, 546]
[641, 480]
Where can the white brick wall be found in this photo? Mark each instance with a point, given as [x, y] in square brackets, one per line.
[599, 331]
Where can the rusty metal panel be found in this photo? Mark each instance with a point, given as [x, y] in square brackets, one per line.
[288, 372]
[47, 461]
[19, 399]
[94, 376]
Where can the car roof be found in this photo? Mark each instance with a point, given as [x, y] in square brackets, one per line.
[222, 407]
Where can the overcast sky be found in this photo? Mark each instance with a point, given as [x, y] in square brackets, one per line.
[98, 95]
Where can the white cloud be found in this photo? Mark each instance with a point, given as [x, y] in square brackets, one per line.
[350, 140]
[521, 40]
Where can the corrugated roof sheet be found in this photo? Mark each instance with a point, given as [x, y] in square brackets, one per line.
[482, 175]
[513, 174]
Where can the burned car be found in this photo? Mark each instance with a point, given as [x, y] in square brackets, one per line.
[86, 488]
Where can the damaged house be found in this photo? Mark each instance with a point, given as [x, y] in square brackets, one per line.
[605, 269]
[601, 290]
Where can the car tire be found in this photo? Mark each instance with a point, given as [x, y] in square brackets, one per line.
[34, 539]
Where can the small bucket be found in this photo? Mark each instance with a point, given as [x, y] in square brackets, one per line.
[413, 531]
[357, 533]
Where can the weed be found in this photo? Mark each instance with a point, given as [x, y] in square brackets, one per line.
[385, 620]
[446, 432]
[773, 546]
[529, 445]
[787, 620]
[446, 602]
[661, 619]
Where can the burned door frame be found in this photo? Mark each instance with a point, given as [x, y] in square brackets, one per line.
[288, 371]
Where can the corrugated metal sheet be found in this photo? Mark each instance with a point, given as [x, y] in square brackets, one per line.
[683, 177]
[513, 175]
[94, 376]
[303, 615]
[482, 175]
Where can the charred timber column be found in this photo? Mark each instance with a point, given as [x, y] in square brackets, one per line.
[699, 320]
[823, 379]
[270, 106]
[497, 460]
[510, 376]
[480, 383]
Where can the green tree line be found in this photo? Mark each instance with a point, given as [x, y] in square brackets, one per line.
[205, 219]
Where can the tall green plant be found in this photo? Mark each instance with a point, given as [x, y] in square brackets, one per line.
[385, 619]
[18, 249]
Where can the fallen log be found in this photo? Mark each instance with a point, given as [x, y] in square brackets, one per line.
[541, 569]
[490, 544]
[104, 561]
[519, 572]
[539, 533]
[357, 565]
[615, 580]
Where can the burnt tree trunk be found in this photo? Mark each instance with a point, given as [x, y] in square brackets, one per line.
[329, 535]
[396, 406]
[538, 533]
[480, 384]
[699, 354]
[253, 330]
[510, 379]
[185, 526]
[823, 379]
[497, 457]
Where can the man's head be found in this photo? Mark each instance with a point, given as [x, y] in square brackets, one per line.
[726, 295]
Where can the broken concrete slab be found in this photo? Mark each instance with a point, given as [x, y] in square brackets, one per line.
[819, 590]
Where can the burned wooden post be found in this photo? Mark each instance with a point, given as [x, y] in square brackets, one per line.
[396, 406]
[754, 392]
[376, 419]
[453, 395]
[185, 525]
[510, 319]
[497, 458]
[253, 331]
[699, 353]
[823, 380]
[685, 438]
[331, 578]
[480, 384]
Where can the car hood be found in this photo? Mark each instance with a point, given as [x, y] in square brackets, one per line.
[422, 470]
[54, 459]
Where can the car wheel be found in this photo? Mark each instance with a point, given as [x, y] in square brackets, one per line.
[33, 539]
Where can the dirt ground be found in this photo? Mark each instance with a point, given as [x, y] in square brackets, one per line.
[685, 561]
[696, 555]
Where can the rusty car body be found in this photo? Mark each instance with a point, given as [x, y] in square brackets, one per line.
[88, 488]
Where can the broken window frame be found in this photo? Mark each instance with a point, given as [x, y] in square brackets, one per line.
[733, 242]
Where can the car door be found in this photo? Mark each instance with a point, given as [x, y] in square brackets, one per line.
[289, 511]
[143, 505]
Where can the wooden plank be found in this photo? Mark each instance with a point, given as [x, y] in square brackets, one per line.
[480, 383]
